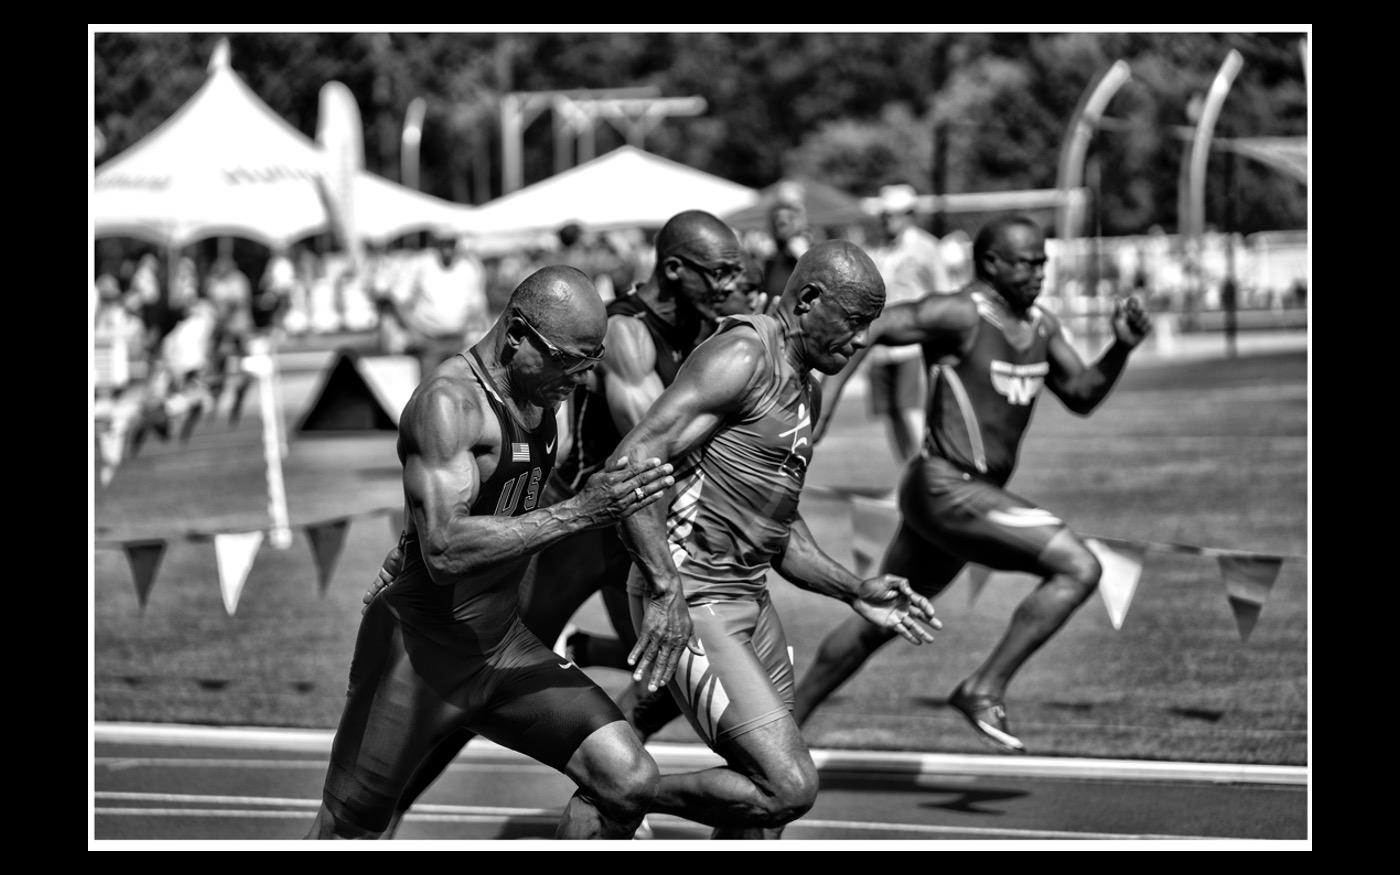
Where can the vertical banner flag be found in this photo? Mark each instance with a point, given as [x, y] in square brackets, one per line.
[873, 524]
[1121, 569]
[235, 554]
[341, 137]
[327, 540]
[144, 558]
[1248, 580]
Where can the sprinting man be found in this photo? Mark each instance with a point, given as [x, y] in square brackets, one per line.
[737, 422]
[988, 349]
[442, 650]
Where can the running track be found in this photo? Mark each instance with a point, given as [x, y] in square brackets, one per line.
[164, 783]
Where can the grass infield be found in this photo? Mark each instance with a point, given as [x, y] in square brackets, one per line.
[1210, 452]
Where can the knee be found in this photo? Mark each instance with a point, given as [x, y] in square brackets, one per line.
[626, 789]
[790, 795]
[1081, 571]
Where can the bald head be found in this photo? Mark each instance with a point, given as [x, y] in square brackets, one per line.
[694, 234]
[843, 270]
[1002, 232]
[562, 303]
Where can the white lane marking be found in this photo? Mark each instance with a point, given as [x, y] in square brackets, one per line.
[478, 814]
[695, 756]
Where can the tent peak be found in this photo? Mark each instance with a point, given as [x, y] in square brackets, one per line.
[220, 59]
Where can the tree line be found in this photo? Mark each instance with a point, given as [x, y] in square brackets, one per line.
[946, 112]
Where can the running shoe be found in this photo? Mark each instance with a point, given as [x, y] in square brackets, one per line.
[988, 717]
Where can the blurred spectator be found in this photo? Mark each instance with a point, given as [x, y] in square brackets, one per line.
[231, 296]
[446, 306]
[912, 266]
[787, 221]
[275, 290]
[587, 252]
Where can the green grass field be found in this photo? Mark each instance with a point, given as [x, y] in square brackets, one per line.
[1211, 453]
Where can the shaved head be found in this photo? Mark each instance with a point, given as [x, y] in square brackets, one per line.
[843, 270]
[561, 302]
[695, 234]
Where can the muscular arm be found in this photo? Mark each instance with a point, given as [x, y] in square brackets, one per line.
[804, 564]
[1083, 387]
[710, 384]
[629, 365]
[943, 322]
[443, 438]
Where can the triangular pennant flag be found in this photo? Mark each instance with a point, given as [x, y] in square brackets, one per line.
[396, 524]
[1248, 580]
[235, 554]
[873, 524]
[326, 539]
[392, 379]
[144, 558]
[976, 579]
[1121, 569]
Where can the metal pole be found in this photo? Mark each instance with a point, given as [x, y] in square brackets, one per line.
[412, 137]
[1081, 128]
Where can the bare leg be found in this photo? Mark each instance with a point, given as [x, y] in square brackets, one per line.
[1040, 614]
[768, 781]
[617, 782]
[846, 648]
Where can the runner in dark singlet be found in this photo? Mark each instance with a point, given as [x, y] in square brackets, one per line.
[737, 423]
[988, 350]
[443, 651]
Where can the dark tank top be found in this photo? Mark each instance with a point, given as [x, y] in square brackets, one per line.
[474, 615]
[595, 433]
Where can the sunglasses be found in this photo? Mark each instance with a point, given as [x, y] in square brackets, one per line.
[722, 278]
[569, 362]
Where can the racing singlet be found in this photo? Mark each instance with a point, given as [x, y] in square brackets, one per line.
[595, 434]
[979, 407]
[474, 615]
[735, 497]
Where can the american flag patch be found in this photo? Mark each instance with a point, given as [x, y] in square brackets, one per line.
[519, 452]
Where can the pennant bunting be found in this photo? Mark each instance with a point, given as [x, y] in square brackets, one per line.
[235, 554]
[327, 540]
[976, 576]
[1121, 569]
[1248, 580]
[144, 558]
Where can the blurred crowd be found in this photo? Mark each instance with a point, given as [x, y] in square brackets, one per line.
[171, 334]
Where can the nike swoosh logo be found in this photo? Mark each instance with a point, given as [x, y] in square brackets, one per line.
[549, 447]
[566, 665]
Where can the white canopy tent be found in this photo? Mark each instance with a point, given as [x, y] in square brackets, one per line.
[625, 188]
[225, 164]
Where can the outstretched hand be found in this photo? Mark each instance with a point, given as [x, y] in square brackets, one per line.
[1130, 322]
[666, 631]
[890, 603]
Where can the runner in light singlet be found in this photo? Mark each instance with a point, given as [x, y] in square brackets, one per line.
[989, 349]
[737, 422]
[651, 330]
[442, 651]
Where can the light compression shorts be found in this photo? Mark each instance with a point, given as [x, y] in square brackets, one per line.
[950, 518]
[408, 695]
[744, 680]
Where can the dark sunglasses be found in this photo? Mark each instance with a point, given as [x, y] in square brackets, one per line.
[569, 362]
[724, 277]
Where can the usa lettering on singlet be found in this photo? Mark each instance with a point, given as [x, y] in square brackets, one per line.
[733, 500]
[979, 407]
[475, 614]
